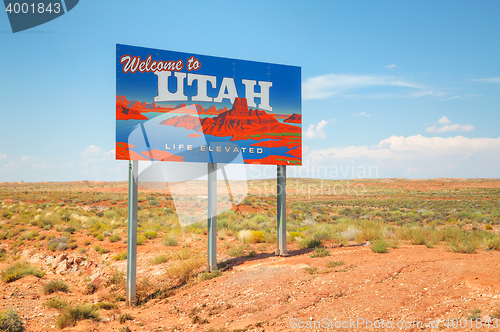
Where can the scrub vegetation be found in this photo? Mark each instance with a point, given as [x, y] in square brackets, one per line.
[89, 221]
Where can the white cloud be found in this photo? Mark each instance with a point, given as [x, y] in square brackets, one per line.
[413, 156]
[391, 66]
[487, 80]
[325, 86]
[411, 170]
[2, 156]
[466, 96]
[361, 114]
[448, 126]
[452, 127]
[39, 166]
[317, 131]
[25, 157]
[10, 164]
[400, 148]
[350, 86]
[96, 154]
[444, 120]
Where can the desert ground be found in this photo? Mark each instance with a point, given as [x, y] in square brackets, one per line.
[364, 255]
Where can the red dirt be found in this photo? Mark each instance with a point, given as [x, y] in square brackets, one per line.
[266, 293]
[412, 283]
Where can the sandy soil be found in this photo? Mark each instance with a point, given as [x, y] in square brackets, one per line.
[268, 293]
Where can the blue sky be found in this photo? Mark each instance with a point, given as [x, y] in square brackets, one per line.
[404, 89]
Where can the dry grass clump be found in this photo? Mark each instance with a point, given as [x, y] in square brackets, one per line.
[72, 315]
[183, 270]
[245, 236]
[11, 322]
[160, 259]
[56, 304]
[379, 246]
[19, 270]
[320, 252]
[309, 242]
[147, 290]
[125, 317]
[55, 286]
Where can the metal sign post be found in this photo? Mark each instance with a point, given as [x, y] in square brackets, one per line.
[212, 217]
[281, 211]
[133, 175]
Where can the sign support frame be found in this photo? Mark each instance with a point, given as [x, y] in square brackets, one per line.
[212, 218]
[281, 211]
[133, 188]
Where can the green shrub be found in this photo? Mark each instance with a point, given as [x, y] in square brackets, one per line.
[209, 275]
[101, 250]
[294, 235]
[258, 237]
[320, 252]
[90, 288]
[335, 263]
[160, 259]
[120, 257]
[492, 243]
[311, 270]
[369, 231]
[141, 240]
[105, 305]
[56, 304]
[73, 314]
[70, 230]
[10, 322]
[3, 254]
[100, 237]
[464, 246]
[379, 246]
[309, 242]
[19, 270]
[488, 227]
[86, 242]
[116, 278]
[170, 241]
[31, 235]
[182, 254]
[114, 238]
[150, 235]
[60, 243]
[154, 203]
[475, 314]
[55, 286]
[125, 317]
[237, 251]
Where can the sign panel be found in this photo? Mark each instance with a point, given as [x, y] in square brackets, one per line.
[173, 106]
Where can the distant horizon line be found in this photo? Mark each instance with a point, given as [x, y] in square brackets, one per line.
[289, 178]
